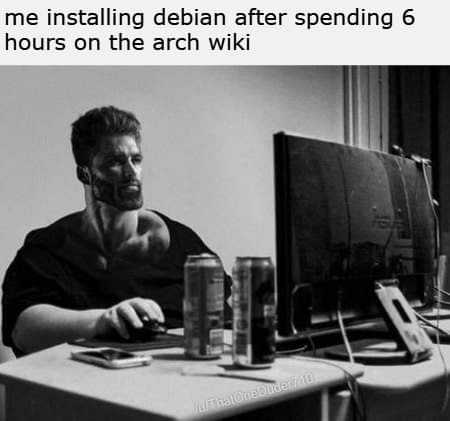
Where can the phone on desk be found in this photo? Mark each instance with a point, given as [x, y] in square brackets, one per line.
[112, 358]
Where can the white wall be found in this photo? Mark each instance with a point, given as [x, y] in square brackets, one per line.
[207, 135]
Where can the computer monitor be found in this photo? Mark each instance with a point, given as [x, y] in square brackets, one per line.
[346, 217]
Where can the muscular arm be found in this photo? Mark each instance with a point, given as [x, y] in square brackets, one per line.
[44, 325]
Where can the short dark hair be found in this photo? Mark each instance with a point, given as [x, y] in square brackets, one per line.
[97, 124]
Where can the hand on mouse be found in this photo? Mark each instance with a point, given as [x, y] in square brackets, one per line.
[130, 312]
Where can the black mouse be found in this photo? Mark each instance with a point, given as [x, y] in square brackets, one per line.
[147, 332]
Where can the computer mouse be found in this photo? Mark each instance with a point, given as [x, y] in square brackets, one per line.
[147, 332]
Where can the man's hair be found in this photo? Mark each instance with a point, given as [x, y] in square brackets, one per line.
[97, 124]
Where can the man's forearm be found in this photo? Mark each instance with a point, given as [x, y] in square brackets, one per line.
[44, 325]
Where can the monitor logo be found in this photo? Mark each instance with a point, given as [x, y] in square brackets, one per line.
[384, 222]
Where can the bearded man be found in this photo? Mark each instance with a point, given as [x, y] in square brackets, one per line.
[105, 268]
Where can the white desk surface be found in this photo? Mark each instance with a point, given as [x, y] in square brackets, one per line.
[160, 389]
[403, 377]
[403, 392]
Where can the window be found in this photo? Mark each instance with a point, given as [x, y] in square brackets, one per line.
[366, 107]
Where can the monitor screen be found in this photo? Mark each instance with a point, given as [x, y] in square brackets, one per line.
[346, 217]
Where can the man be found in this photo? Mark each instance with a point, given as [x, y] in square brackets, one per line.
[107, 267]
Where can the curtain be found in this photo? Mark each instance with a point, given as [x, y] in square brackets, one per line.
[419, 122]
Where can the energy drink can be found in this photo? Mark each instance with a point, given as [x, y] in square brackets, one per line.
[203, 306]
[254, 312]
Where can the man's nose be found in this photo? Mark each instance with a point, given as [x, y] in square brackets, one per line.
[130, 171]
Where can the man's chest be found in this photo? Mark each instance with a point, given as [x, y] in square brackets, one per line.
[134, 255]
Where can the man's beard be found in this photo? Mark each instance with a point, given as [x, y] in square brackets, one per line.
[118, 195]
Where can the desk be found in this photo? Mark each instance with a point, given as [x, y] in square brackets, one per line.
[401, 392]
[48, 385]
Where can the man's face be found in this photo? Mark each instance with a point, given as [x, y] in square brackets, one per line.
[116, 171]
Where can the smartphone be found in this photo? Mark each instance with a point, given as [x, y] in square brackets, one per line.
[112, 358]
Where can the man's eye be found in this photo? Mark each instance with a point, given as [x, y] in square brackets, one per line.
[137, 160]
[114, 162]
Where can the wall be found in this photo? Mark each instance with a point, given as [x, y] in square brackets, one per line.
[207, 142]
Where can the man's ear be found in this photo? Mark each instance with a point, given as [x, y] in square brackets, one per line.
[83, 175]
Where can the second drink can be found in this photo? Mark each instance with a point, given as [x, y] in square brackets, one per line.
[254, 312]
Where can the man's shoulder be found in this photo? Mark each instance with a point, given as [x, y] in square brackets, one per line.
[54, 234]
[151, 218]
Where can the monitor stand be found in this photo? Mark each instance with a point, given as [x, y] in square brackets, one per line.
[410, 342]
[433, 314]
[372, 344]
[372, 352]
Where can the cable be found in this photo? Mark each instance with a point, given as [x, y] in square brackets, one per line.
[293, 351]
[444, 302]
[347, 270]
[344, 336]
[446, 373]
[433, 209]
[352, 383]
[442, 292]
[351, 380]
[430, 324]
[313, 345]
[436, 286]
[438, 343]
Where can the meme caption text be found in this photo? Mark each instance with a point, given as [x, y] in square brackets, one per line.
[177, 29]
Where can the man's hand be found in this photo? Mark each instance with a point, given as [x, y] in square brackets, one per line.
[129, 312]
